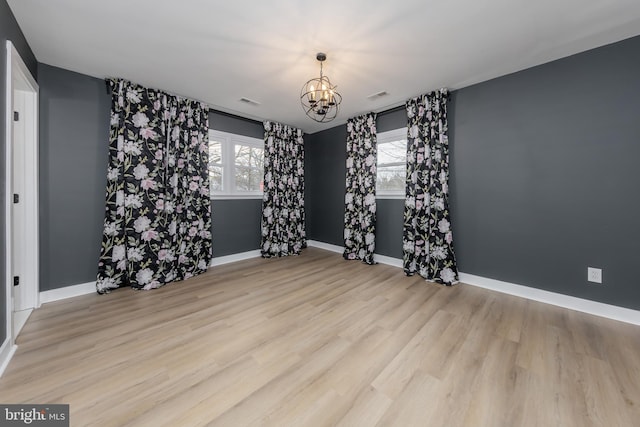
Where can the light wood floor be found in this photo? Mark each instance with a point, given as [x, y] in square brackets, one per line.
[315, 340]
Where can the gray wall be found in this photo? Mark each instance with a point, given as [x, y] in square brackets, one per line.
[324, 179]
[543, 177]
[234, 124]
[236, 226]
[9, 30]
[74, 149]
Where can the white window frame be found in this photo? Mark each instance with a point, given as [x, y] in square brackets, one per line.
[386, 137]
[228, 141]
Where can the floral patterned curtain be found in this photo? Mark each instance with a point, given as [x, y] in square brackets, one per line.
[283, 219]
[157, 226]
[360, 197]
[427, 237]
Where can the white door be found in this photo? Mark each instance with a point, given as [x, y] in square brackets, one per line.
[22, 188]
[20, 297]
[21, 304]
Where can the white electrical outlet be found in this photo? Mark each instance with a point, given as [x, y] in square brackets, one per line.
[594, 275]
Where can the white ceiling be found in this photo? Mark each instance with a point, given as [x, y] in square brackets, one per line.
[221, 51]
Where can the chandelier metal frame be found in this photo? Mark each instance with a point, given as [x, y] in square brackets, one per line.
[319, 98]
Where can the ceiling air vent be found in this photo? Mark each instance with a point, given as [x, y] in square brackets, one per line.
[377, 95]
[249, 101]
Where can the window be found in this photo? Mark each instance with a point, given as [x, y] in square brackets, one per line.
[236, 165]
[392, 163]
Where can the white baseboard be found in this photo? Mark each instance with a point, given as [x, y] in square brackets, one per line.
[7, 351]
[90, 287]
[382, 259]
[67, 292]
[325, 246]
[573, 303]
[235, 257]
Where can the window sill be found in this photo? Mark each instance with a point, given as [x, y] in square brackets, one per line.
[236, 196]
[390, 196]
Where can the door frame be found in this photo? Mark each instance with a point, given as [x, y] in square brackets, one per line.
[18, 77]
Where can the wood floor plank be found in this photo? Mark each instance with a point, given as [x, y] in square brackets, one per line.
[366, 409]
[402, 368]
[414, 404]
[314, 340]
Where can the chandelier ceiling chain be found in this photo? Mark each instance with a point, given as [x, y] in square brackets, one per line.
[319, 98]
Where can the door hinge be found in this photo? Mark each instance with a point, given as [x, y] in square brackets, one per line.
[16, 280]
[16, 116]
[16, 198]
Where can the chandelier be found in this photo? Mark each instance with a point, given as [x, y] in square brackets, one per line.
[319, 98]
